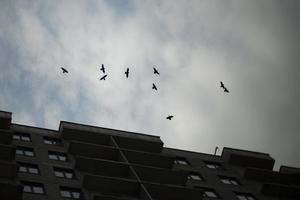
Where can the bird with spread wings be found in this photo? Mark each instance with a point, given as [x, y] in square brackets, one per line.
[169, 117]
[103, 77]
[154, 86]
[127, 72]
[223, 86]
[64, 70]
[155, 71]
[102, 69]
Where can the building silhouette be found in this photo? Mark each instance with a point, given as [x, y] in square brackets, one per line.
[92, 163]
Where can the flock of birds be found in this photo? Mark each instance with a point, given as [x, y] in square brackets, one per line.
[155, 71]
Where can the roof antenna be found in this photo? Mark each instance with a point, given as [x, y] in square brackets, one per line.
[216, 149]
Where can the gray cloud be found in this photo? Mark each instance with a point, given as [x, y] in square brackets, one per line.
[251, 46]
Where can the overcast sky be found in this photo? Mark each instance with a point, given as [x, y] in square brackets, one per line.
[252, 46]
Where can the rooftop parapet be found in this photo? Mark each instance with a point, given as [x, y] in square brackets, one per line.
[248, 158]
[289, 170]
[99, 135]
[5, 120]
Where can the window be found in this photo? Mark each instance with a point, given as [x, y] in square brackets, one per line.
[57, 156]
[195, 176]
[229, 180]
[31, 187]
[208, 192]
[64, 173]
[28, 168]
[22, 136]
[213, 165]
[72, 193]
[244, 196]
[25, 151]
[52, 141]
[181, 161]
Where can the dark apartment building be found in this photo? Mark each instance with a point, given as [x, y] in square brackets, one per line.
[93, 163]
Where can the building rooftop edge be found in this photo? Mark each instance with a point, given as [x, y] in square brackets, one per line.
[109, 129]
[289, 167]
[142, 134]
[194, 152]
[34, 127]
[247, 151]
[7, 112]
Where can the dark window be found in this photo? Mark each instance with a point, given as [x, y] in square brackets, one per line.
[229, 180]
[57, 156]
[22, 136]
[31, 187]
[64, 173]
[52, 141]
[181, 161]
[25, 151]
[213, 165]
[28, 168]
[244, 196]
[195, 176]
[72, 193]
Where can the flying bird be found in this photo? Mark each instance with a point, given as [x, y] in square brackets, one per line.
[102, 69]
[154, 86]
[127, 72]
[226, 90]
[222, 85]
[169, 117]
[155, 71]
[64, 70]
[103, 77]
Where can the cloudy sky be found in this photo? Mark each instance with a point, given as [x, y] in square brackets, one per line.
[252, 46]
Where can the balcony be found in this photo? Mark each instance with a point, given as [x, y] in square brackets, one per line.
[248, 158]
[148, 159]
[5, 120]
[158, 191]
[279, 190]
[138, 144]
[292, 172]
[7, 152]
[70, 131]
[103, 167]
[162, 176]
[270, 176]
[94, 151]
[8, 170]
[289, 170]
[111, 186]
[5, 136]
[10, 191]
[101, 136]
[109, 197]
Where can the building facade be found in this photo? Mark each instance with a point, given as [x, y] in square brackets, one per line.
[93, 163]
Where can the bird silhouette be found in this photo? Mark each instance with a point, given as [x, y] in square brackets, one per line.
[222, 85]
[103, 77]
[102, 69]
[169, 117]
[154, 86]
[155, 71]
[226, 90]
[64, 70]
[127, 72]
